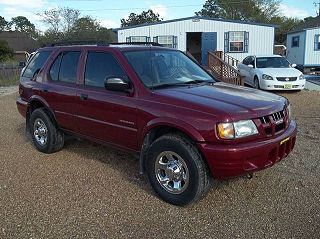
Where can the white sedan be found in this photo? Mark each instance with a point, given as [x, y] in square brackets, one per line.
[271, 73]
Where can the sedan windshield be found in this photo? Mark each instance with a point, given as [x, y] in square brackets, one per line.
[166, 68]
[272, 62]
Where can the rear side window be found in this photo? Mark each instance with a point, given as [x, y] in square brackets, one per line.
[54, 71]
[36, 64]
[99, 66]
[65, 67]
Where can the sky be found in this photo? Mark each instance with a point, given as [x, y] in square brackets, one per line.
[109, 12]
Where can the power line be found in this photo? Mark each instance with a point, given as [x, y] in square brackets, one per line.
[137, 8]
[168, 7]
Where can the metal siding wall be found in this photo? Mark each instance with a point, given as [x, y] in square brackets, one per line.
[312, 57]
[261, 38]
[296, 54]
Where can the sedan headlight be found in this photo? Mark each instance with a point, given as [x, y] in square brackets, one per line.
[301, 77]
[267, 77]
[237, 129]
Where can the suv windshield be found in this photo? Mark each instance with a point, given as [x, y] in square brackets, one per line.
[165, 68]
[272, 62]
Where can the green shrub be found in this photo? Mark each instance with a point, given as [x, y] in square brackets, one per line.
[6, 53]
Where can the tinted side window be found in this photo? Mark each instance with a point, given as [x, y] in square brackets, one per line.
[54, 70]
[251, 62]
[36, 63]
[99, 66]
[247, 60]
[69, 66]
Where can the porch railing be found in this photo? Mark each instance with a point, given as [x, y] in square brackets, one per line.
[223, 67]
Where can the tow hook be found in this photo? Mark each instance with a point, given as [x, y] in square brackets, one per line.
[249, 175]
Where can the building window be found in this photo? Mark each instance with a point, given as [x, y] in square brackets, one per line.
[295, 41]
[138, 39]
[317, 42]
[167, 41]
[236, 41]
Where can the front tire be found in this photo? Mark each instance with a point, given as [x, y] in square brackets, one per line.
[256, 83]
[46, 137]
[176, 170]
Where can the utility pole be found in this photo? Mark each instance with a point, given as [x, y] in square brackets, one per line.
[316, 4]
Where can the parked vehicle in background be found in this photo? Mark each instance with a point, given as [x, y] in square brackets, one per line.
[157, 103]
[271, 73]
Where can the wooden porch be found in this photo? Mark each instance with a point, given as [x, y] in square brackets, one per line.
[223, 68]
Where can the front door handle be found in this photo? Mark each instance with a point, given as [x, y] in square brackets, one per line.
[83, 96]
[45, 90]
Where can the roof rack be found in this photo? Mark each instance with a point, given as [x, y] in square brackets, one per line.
[74, 43]
[136, 43]
[101, 43]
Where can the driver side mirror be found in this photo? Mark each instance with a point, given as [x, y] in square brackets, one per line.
[293, 65]
[117, 84]
[250, 66]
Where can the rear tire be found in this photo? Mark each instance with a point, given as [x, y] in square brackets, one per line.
[46, 137]
[176, 170]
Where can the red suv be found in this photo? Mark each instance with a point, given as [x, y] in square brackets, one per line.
[159, 104]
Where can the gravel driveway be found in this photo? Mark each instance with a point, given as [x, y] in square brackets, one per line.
[91, 191]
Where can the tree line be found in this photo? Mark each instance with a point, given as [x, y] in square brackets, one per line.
[63, 24]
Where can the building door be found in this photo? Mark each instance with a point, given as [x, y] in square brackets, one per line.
[208, 43]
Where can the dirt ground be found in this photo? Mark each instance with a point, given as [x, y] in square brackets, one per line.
[91, 191]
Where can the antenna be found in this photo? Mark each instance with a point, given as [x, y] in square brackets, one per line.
[317, 4]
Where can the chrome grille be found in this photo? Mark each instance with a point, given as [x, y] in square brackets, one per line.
[286, 78]
[274, 123]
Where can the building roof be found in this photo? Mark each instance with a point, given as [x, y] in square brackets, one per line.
[195, 17]
[19, 41]
[312, 23]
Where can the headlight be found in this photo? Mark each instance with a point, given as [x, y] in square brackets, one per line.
[301, 77]
[237, 129]
[267, 77]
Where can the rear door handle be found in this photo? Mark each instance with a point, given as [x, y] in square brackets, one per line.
[83, 96]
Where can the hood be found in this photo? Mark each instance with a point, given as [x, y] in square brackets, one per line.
[234, 101]
[281, 72]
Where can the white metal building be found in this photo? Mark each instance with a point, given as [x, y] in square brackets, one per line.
[303, 47]
[199, 35]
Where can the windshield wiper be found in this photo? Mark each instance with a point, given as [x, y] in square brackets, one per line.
[198, 82]
[187, 83]
[166, 85]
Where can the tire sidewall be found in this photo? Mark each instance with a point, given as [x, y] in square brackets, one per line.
[256, 83]
[187, 155]
[40, 114]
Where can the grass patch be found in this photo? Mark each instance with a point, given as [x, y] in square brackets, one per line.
[11, 81]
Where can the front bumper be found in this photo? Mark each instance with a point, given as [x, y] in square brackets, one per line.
[282, 85]
[226, 161]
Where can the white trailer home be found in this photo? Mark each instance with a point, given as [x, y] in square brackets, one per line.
[303, 45]
[198, 35]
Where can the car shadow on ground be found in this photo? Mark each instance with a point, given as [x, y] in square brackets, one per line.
[118, 160]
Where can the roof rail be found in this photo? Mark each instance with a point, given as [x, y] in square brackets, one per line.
[100, 43]
[74, 43]
[136, 43]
